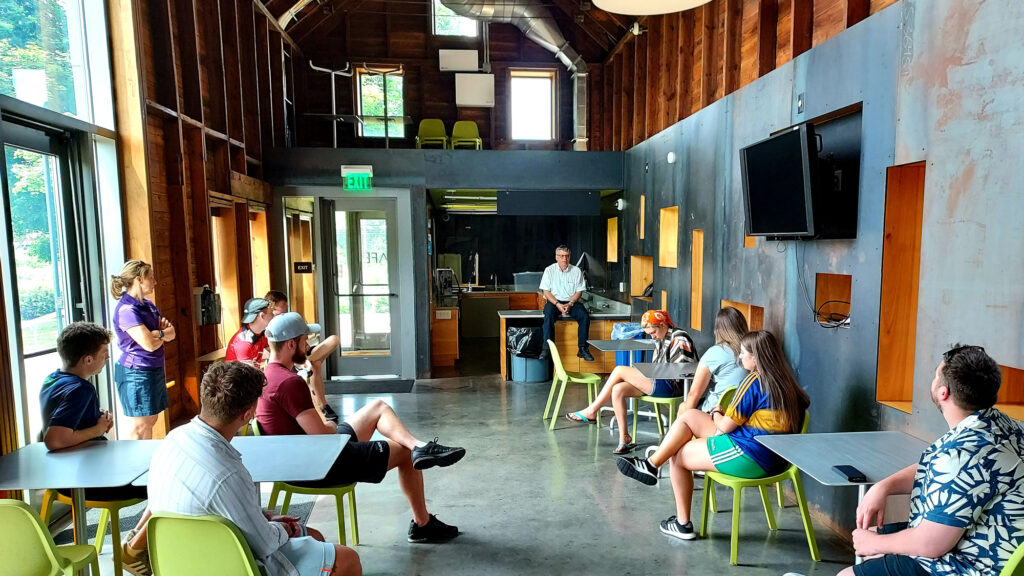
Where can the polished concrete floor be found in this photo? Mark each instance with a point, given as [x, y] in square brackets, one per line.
[533, 501]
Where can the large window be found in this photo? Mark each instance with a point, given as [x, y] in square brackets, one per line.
[533, 104]
[53, 53]
[448, 23]
[371, 104]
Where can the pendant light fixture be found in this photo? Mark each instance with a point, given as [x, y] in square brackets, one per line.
[647, 7]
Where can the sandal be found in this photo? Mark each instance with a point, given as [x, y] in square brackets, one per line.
[578, 417]
[623, 448]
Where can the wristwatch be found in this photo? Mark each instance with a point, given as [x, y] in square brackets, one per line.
[161, 333]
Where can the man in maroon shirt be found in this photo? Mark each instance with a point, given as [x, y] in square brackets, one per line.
[248, 344]
[286, 408]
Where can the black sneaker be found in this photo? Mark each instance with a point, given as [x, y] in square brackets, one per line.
[585, 354]
[673, 528]
[433, 531]
[638, 469]
[330, 414]
[434, 454]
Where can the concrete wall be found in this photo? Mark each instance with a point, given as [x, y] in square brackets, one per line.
[940, 81]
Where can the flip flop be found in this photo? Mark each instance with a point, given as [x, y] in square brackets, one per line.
[578, 417]
[623, 448]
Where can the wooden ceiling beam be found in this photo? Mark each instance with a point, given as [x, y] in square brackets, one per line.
[857, 10]
[589, 25]
[278, 7]
[802, 36]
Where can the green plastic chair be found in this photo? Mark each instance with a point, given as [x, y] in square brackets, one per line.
[110, 513]
[432, 133]
[1015, 565]
[198, 546]
[466, 135]
[737, 484]
[657, 401]
[338, 492]
[565, 378]
[27, 549]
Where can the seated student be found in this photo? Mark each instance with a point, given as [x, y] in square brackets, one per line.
[966, 493]
[285, 408]
[313, 369]
[718, 370]
[196, 471]
[72, 415]
[671, 345]
[769, 401]
[249, 344]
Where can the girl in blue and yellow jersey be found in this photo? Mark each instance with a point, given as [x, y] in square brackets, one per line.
[768, 401]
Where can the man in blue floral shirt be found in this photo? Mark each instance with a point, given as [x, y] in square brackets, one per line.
[966, 493]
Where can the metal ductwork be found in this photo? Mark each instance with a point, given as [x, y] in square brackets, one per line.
[538, 24]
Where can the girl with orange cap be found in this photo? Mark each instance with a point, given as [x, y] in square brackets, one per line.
[671, 344]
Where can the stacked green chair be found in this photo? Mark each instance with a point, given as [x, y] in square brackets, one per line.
[198, 546]
[338, 492]
[737, 485]
[110, 512]
[27, 549]
[432, 133]
[466, 135]
[563, 378]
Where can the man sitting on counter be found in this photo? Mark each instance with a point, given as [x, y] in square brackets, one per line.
[563, 286]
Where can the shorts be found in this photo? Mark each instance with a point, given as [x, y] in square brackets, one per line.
[358, 462]
[890, 564]
[142, 391]
[309, 557]
[729, 459]
[665, 389]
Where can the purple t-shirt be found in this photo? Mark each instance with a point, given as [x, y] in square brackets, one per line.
[129, 313]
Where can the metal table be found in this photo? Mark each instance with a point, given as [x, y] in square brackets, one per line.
[94, 464]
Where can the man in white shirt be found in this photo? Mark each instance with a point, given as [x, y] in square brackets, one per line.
[196, 471]
[563, 285]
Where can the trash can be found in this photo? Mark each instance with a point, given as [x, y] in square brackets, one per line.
[525, 341]
[529, 369]
[627, 331]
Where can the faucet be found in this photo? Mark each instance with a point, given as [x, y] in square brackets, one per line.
[495, 278]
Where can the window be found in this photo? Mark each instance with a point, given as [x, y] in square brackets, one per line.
[371, 104]
[448, 23]
[533, 104]
[53, 54]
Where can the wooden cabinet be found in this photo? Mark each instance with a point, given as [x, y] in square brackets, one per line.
[525, 301]
[444, 336]
[567, 342]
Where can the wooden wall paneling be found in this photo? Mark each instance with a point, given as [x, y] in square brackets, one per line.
[783, 32]
[685, 70]
[719, 54]
[276, 102]
[879, 5]
[767, 36]
[260, 249]
[211, 65]
[610, 109]
[802, 19]
[733, 44]
[263, 76]
[669, 75]
[639, 89]
[200, 239]
[748, 41]
[222, 223]
[232, 69]
[218, 165]
[183, 25]
[154, 46]
[652, 76]
[709, 29]
[595, 91]
[628, 63]
[618, 103]
[828, 19]
[857, 10]
[250, 103]
[243, 252]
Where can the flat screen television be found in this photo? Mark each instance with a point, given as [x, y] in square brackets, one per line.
[779, 176]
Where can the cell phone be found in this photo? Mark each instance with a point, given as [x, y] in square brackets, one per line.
[850, 473]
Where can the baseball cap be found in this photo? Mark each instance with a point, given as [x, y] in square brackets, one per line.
[288, 326]
[252, 309]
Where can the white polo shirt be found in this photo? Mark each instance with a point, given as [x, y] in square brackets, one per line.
[562, 284]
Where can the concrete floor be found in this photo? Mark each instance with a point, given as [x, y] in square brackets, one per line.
[533, 501]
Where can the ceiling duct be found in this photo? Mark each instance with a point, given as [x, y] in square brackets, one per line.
[538, 24]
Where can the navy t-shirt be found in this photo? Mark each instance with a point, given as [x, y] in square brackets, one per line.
[69, 401]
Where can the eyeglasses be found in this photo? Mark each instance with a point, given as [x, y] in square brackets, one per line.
[953, 353]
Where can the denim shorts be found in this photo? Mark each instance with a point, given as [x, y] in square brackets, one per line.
[142, 391]
[309, 557]
[665, 389]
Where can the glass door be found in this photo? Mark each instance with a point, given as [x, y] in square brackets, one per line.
[45, 270]
[365, 284]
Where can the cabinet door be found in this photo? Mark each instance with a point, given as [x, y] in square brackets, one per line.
[523, 301]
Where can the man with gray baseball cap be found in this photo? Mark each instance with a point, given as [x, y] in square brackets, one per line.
[286, 408]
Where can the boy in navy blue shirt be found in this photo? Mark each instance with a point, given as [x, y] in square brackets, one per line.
[72, 415]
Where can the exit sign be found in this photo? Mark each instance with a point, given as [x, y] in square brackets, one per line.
[357, 178]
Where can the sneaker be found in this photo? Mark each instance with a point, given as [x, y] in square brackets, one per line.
[434, 454]
[673, 528]
[639, 469]
[585, 354]
[330, 414]
[433, 531]
[134, 561]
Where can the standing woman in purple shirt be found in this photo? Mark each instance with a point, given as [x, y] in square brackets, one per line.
[141, 333]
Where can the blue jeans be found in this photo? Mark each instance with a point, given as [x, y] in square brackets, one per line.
[578, 313]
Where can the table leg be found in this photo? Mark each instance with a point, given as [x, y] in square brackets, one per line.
[79, 523]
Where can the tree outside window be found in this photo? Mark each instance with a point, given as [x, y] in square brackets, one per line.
[371, 105]
[448, 23]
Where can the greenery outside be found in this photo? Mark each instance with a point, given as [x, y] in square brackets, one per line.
[34, 37]
[371, 105]
[448, 23]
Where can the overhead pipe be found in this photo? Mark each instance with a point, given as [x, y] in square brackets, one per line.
[538, 24]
